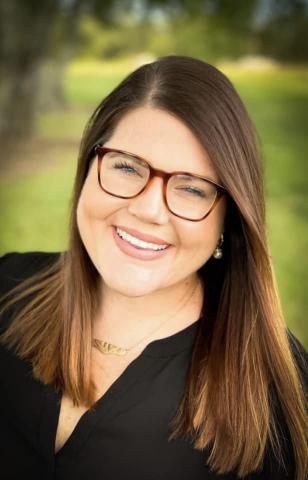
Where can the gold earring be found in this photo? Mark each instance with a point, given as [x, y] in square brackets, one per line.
[218, 253]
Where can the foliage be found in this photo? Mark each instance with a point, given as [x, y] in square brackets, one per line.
[284, 34]
[39, 38]
[110, 41]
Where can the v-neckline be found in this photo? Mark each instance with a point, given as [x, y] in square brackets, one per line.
[168, 346]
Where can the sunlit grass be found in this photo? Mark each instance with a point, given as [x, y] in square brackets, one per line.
[87, 83]
[36, 212]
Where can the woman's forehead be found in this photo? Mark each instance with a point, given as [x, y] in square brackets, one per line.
[162, 139]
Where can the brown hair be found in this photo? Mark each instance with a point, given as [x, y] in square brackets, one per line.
[241, 359]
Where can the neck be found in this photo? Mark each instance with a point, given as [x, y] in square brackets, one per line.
[124, 319]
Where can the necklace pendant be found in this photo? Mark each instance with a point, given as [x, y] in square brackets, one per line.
[109, 348]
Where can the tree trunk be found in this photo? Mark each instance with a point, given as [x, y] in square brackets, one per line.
[25, 31]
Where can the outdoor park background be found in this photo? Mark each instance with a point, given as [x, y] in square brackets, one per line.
[84, 53]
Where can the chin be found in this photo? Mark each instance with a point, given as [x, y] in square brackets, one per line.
[129, 290]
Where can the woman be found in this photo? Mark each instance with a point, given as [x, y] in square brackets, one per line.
[154, 346]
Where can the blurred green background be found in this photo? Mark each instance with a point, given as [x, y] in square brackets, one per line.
[272, 78]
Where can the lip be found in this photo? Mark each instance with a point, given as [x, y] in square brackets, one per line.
[140, 253]
[143, 236]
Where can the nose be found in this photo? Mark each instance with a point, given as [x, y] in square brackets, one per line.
[149, 205]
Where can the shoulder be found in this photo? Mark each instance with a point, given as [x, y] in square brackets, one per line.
[15, 267]
[19, 262]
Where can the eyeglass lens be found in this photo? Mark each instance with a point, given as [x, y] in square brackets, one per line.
[187, 195]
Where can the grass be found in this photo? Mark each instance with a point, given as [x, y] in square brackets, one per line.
[36, 197]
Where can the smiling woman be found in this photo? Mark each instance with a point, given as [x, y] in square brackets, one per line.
[154, 346]
[170, 144]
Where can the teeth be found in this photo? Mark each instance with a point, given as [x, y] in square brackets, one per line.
[139, 243]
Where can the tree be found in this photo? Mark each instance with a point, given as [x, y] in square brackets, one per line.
[284, 31]
[31, 32]
[35, 31]
[25, 32]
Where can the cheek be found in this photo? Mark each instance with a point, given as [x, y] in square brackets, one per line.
[91, 205]
[93, 211]
[88, 210]
[200, 238]
[83, 208]
[83, 217]
[89, 216]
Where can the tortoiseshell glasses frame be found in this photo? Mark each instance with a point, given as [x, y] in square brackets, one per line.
[100, 151]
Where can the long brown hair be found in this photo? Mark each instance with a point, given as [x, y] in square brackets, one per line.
[242, 359]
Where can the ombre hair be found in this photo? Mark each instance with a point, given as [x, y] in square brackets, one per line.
[242, 368]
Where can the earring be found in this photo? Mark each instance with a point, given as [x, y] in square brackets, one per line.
[218, 253]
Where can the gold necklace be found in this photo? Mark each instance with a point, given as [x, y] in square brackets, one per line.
[111, 349]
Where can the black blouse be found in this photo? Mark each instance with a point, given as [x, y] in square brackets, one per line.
[126, 435]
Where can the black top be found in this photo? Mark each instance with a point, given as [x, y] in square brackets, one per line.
[125, 437]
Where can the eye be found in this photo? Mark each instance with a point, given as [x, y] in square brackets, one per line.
[194, 191]
[125, 166]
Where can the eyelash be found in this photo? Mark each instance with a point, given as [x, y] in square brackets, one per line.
[124, 165]
[195, 191]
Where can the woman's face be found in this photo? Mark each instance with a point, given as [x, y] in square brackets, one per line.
[168, 144]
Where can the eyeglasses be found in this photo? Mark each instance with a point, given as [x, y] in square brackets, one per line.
[126, 175]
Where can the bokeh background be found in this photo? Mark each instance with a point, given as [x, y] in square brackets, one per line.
[59, 58]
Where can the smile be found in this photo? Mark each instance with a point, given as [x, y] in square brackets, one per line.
[139, 243]
[132, 247]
